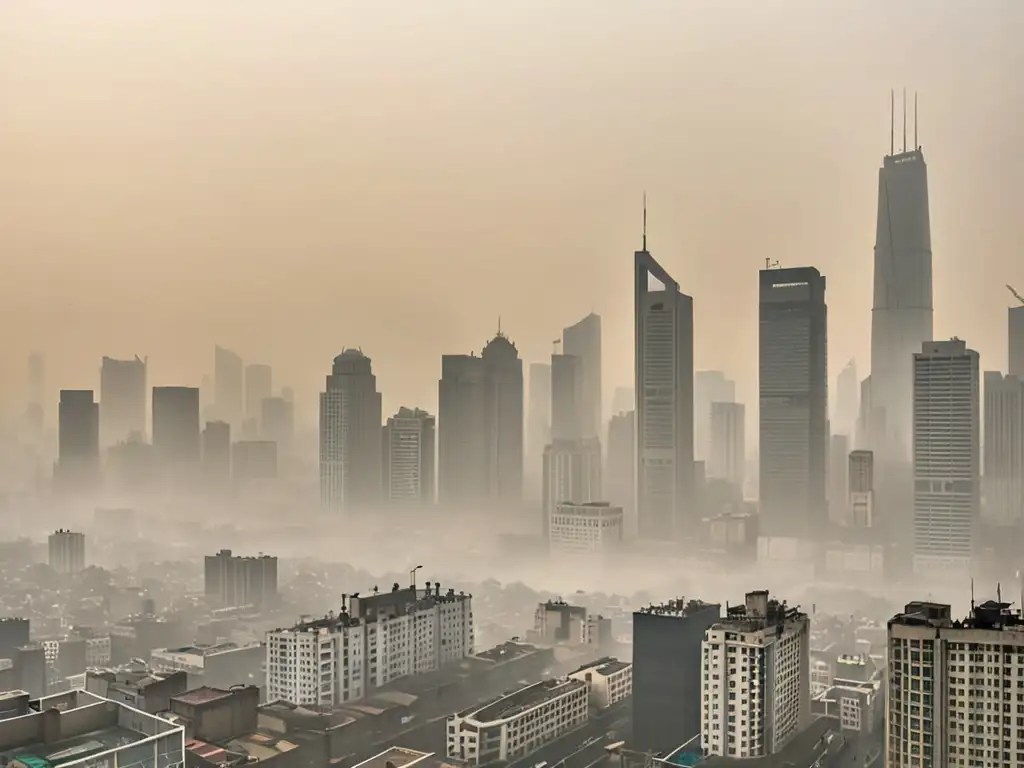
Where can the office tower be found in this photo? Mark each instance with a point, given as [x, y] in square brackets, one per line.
[847, 406]
[231, 580]
[667, 642]
[566, 397]
[1004, 450]
[663, 325]
[67, 551]
[708, 387]
[1015, 335]
[623, 400]
[176, 443]
[78, 457]
[838, 461]
[441, 622]
[480, 427]
[538, 416]
[277, 421]
[901, 318]
[572, 473]
[122, 400]
[793, 384]
[228, 384]
[756, 683]
[728, 460]
[409, 458]
[350, 435]
[862, 489]
[217, 453]
[620, 477]
[592, 528]
[583, 341]
[253, 460]
[946, 454]
[259, 380]
[951, 699]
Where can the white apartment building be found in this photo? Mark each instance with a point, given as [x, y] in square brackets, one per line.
[517, 724]
[608, 680]
[947, 460]
[591, 528]
[956, 688]
[755, 679]
[372, 641]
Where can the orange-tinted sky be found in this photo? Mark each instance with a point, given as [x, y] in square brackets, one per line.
[289, 179]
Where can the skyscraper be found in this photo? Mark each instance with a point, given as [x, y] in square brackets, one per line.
[277, 421]
[78, 456]
[350, 435]
[861, 494]
[708, 387]
[946, 454]
[176, 439]
[901, 320]
[66, 551]
[122, 400]
[793, 384]
[838, 472]
[217, 454]
[409, 458]
[1004, 450]
[572, 473]
[259, 380]
[505, 413]
[728, 459]
[620, 475]
[567, 412]
[538, 421]
[583, 341]
[847, 408]
[663, 325]
[228, 384]
[1015, 335]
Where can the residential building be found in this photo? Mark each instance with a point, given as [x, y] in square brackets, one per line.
[409, 458]
[583, 341]
[1003, 484]
[122, 400]
[590, 528]
[350, 435]
[727, 459]
[608, 680]
[231, 580]
[518, 723]
[862, 489]
[756, 679]
[259, 385]
[708, 387]
[793, 388]
[78, 456]
[373, 640]
[67, 551]
[222, 665]
[947, 456]
[667, 702]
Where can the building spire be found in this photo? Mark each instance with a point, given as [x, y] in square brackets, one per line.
[916, 145]
[645, 223]
[892, 122]
[904, 119]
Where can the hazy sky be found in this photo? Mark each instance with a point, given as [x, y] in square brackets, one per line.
[291, 178]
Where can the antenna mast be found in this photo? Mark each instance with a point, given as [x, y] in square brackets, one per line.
[916, 145]
[892, 122]
[645, 222]
[904, 119]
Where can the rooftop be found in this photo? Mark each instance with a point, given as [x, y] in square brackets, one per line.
[758, 611]
[506, 652]
[990, 615]
[604, 666]
[399, 757]
[679, 608]
[520, 701]
[202, 695]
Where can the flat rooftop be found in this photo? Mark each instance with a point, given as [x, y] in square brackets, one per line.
[202, 695]
[604, 666]
[520, 701]
[506, 652]
[400, 757]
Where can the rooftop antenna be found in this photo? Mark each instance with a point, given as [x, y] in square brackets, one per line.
[645, 222]
[499, 325]
[999, 592]
[892, 122]
[972, 596]
[916, 145]
[904, 119]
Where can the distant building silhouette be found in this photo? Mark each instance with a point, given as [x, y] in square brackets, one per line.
[253, 460]
[408, 445]
[582, 340]
[861, 499]
[176, 442]
[78, 457]
[847, 407]
[793, 389]
[1004, 450]
[538, 423]
[567, 412]
[259, 383]
[572, 474]
[1015, 335]
[67, 551]
[708, 387]
[947, 455]
[838, 484]
[228, 383]
[37, 389]
[122, 400]
[350, 435]
[217, 454]
[620, 474]
[277, 422]
[727, 459]
[231, 580]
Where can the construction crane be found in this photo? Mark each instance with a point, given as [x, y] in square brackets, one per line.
[1016, 295]
[769, 264]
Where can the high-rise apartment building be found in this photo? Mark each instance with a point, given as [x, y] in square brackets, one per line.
[620, 475]
[838, 485]
[480, 427]
[663, 325]
[67, 551]
[231, 580]
[122, 400]
[409, 458]
[566, 397]
[708, 387]
[901, 318]
[951, 697]
[1004, 450]
[667, 642]
[861, 496]
[78, 456]
[176, 441]
[217, 454]
[350, 435]
[793, 389]
[756, 680]
[572, 473]
[727, 459]
[1015, 335]
[947, 456]
[228, 387]
[583, 341]
[372, 641]
[259, 385]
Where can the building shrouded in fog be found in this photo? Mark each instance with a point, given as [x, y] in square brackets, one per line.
[583, 341]
[229, 387]
[538, 420]
[620, 477]
[67, 551]
[78, 457]
[350, 435]
[122, 400]
[709, 387]
[217, 453]
[231, 580]
[259, 385]
[728, 458]
[409, 458]
[861, 499]
[277, 421]
[1004, 450]
[480, 427]
[177, 446]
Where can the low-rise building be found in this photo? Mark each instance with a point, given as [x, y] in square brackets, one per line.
[556, 622]
[517, 724]
[608, 680]
[218, 666]
[591, 528]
